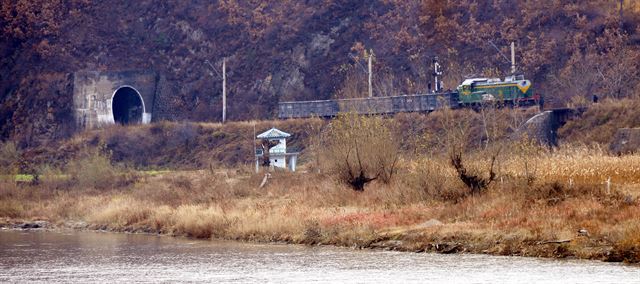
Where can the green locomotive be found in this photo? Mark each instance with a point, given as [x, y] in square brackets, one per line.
[514, 90]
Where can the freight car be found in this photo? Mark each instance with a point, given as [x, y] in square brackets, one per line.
[513, 91]
[372, 105]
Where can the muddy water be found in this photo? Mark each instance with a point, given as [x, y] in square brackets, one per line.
[106, 257]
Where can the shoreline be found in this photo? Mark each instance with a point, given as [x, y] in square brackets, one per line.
[561, 210]
[384, 242]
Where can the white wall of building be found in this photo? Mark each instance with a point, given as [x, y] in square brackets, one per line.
[278, 161]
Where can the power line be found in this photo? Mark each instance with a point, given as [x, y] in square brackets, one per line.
[499, 51]
[359, 64]
[224, 84]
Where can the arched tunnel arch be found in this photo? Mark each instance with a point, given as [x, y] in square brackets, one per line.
[127, 106]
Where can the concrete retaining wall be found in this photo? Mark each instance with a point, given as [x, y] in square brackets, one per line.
[626, 141]
[93, 92]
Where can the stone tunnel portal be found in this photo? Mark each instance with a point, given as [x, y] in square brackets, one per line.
[127, 106]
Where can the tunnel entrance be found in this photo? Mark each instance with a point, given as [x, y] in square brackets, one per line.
[127, 106]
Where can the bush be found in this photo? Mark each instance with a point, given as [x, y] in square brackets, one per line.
[11, 208]
[50, 177]
[93, 169]
[434, 179]
[10, 157]
[361, 149]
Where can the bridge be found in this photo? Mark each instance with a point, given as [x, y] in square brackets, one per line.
[372, 106]
[543, 127]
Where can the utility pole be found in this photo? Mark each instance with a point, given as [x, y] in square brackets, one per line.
[370, 73]
[224, 84]
[255, 154]
[621, 10]
[224, 89]
[513, 58]
[437, 71]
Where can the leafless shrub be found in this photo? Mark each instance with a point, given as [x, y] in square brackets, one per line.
[433, 179]
[354, 85]
[314, 133]
[456, 137]
[361, 149]
[11, 208]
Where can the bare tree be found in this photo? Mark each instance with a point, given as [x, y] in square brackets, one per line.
[353, 86]
[609, 68]
[361, 149]
[385, 85]
[266, 145]
[315, 132]
[457, 135]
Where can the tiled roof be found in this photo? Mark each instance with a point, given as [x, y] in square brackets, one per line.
[273, 133]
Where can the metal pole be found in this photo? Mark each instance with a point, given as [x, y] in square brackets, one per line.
[224, 90]
[254, 148]
[513, 58]
[436, 72]
[370, 75]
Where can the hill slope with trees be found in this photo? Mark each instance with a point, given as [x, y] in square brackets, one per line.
[300, 50]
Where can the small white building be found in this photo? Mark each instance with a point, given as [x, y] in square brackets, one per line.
[278, 155]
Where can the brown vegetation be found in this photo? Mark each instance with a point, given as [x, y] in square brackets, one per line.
[292, 50]
[361, 149]
[200, 145]
[528, 200]
[10, 158]
[600, 122]
[191, 145]
[568, 202]
[512, 217]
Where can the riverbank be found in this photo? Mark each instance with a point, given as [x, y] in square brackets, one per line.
[410, 240]
[80, 257]
[569, 211]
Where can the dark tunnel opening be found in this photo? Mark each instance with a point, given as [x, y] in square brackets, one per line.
[127, 106]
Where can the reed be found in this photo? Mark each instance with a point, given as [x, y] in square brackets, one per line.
[572, 201]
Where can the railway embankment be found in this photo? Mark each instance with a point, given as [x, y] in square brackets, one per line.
[201, 145]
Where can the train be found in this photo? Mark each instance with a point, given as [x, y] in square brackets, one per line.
[514, 90]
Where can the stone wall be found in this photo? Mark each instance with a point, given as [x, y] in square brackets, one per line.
[626, 141]
[543, 127]
[163, 105]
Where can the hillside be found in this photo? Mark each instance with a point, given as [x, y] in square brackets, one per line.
[190, 146]
[298, 50]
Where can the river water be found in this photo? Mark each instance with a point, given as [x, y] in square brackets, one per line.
[28, 256]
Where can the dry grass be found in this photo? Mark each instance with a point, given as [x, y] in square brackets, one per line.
[192, 145]
[601, 121]
[538, 198]
[200, 145]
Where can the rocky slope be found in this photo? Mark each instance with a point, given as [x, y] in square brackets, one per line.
[297, 50]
